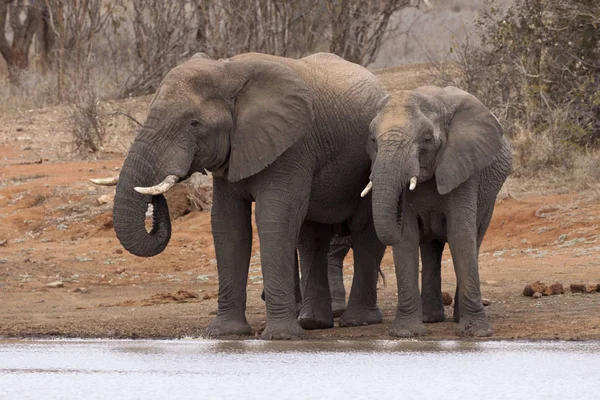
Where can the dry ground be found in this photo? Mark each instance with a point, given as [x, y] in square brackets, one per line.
[53, 229]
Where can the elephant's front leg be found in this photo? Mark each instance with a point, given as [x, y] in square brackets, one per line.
[279, 216]
[408, 321]
[431, 290]
[368, 251]
[316, 311]
[462, 238]
[232, 234]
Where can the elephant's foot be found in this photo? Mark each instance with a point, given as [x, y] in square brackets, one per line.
[316, 317]
[431, 315]
[433, 310]
[227, 327]
[338, 307]
[360, 316]
[283, 330]
[478, 327]
[407, 328]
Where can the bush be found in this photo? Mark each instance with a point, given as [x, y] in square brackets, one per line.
[538, 69]
[86, 121]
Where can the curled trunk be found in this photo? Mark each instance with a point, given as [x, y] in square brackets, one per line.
[129, 211]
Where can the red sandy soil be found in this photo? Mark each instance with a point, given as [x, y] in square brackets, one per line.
[53, 229]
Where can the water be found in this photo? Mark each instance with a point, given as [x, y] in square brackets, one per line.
[190, 369]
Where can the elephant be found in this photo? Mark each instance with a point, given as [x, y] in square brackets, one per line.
[287, 134]
[449, 151]
[338, 249]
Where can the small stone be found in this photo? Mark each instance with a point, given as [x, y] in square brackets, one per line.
[591, 288]
[578, 288]
[542, 288]
[119, 251]
[446, 298]
[120, 270]
[81, 290]
[486, 302]
[557, 288]
[104, 199]
[528, 291]
[56, 284]
[536, 295]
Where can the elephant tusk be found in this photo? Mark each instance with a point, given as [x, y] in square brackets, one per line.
[413, 183]
[367, 189]
[161, 188]
[105, 181]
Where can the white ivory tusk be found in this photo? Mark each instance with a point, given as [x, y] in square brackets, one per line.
[367, 189]
[413, 183]
[105, 181]
[161, 188]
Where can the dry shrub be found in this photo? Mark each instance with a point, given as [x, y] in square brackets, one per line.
[86, 120]
[537, 69]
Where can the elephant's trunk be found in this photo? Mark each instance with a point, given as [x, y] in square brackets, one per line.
[391, 175]
[129, 211]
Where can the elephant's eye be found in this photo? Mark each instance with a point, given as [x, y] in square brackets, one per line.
[428, 139]
[194, 123]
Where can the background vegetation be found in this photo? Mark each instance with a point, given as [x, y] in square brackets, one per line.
[535, 63]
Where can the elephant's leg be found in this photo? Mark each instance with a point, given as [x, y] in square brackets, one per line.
[463, 241]
[232, 234]
[278, 222]
[409, 320]
[313, 245]
[431, 288]
[368, 251]
[297, 290]
[338, 249]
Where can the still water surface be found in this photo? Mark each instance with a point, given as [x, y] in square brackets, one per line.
[207, 369]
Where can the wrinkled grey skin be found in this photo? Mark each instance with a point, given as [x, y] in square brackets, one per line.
[289, 135]
[456, 148]
[338, 249]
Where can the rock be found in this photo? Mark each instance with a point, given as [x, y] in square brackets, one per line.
[578, 288]
[120, 270]
[591, 288]
[119, 251]
[528, 290]
[542, 288]
[56, 284]
[598, 288]
[104, 199]
[81, 290]
[446, 299]
[536, 295]
[486, 302]
[557, 288]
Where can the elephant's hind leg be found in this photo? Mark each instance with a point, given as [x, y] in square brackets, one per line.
[431, 291]
[316, 312]
[362, 303]
[338, 249]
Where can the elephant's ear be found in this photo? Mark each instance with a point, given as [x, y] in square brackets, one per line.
[273, 109]
[474, 139]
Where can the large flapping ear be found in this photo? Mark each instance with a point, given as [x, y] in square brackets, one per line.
[474, 139]
[273, 110]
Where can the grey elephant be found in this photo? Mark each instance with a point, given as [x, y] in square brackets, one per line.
[339, 246]
[439, 160]
[289, 135]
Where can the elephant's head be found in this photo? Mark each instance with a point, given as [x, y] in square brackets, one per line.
[231, 117]
[429, 133]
